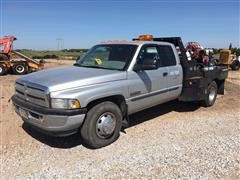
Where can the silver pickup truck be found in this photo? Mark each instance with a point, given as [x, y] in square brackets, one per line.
[111, 81]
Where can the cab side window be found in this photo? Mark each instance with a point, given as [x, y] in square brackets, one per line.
[166, 55]
[149, 52]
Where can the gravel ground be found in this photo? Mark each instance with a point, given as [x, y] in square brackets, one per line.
[170, 141]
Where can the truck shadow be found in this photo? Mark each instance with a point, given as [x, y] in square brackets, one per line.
[162, 109]
[135, 119]
[56, 142]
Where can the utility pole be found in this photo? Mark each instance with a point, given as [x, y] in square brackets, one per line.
[60, 43]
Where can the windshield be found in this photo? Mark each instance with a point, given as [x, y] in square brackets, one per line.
[109, 56]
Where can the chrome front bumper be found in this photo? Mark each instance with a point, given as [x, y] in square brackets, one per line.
[53, 123]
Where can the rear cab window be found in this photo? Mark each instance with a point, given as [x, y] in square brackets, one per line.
[166, 56]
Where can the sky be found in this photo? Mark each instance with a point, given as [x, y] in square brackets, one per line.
[81, 24]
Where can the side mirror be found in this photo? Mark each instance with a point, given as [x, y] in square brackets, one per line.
[146, 64]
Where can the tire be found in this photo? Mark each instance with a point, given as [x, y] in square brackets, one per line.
[235, 65]
[2, 70]
[94, 131]
[3, 57]
[20, 68]
[211, 95]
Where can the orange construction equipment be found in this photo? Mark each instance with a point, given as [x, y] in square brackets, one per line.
[17, 66]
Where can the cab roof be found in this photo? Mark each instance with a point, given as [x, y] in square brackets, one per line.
[137, 42]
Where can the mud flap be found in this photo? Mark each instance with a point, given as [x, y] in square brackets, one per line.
[221, 85]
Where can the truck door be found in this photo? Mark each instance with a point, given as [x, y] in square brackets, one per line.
[174, 76]
[147, 87]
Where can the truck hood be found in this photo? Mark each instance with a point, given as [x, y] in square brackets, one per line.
[62, 78]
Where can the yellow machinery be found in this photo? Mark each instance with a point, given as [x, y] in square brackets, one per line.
[229, 59]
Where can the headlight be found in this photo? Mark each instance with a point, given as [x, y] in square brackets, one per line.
[65, 103]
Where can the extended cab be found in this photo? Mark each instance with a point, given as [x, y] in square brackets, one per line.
[111, 81]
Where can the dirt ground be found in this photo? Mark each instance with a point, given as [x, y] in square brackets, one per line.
[174, 120]
[11, 131]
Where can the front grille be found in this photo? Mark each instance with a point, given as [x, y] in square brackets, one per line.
[32, 94]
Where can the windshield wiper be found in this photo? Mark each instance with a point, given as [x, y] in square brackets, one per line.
[92, 66]
[88, 66]
[79, 65]
[98, 67]
[76, 64]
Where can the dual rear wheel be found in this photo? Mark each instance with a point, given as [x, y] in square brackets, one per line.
[211, 94]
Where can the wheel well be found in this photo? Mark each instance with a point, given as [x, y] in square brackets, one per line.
[119, 100]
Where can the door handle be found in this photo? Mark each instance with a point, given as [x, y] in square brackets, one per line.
[165, 74]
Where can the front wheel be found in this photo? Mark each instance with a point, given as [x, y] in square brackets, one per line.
[102, 125]
[211, 95]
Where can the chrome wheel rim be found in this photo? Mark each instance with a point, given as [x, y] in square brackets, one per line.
[1, 69]
[20, 68]
[212, 94]
[106, 125]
